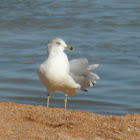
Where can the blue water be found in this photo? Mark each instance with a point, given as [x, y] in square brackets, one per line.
[106, 33]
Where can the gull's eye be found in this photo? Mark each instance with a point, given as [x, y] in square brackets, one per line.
[58, 43]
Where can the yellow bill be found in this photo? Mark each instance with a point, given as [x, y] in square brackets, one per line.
[69, 47]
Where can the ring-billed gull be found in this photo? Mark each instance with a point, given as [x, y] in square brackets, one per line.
[59, 74]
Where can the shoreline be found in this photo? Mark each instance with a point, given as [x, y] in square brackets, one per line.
[20, 121]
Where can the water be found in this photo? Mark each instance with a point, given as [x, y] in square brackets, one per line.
[107, 33]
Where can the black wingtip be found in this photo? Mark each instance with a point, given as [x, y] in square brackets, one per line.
[86, 90]
[93, 83]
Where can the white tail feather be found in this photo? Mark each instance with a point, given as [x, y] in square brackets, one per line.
[93, 76]
[91, 84]
[93, 66]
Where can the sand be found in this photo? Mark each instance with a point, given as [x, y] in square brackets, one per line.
[18, 121]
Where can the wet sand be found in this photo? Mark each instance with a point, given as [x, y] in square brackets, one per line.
[18, 121]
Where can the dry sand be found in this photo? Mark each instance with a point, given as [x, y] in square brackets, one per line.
[19, 121]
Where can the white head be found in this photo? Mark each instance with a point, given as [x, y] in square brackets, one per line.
[57, 45]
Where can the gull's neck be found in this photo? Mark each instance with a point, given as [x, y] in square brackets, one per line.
[54, 53]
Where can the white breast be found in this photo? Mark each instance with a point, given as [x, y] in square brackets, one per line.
[55, 68]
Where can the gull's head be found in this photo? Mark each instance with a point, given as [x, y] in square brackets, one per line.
[57, 45]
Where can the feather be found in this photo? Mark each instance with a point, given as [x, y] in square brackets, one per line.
[80, 72]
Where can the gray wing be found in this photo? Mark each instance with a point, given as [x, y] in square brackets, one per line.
[80, 72]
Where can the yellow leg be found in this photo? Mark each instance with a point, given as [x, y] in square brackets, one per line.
[65, 100]
[48, 98]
